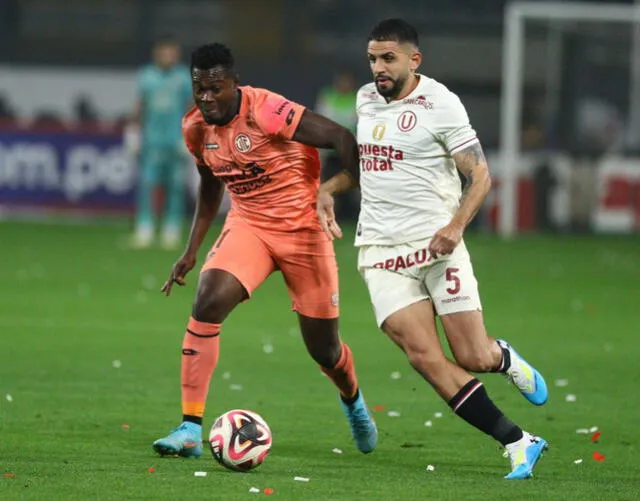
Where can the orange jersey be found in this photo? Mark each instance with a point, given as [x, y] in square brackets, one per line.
[272, 180]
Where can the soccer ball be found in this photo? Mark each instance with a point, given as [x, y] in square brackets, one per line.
[240, 440]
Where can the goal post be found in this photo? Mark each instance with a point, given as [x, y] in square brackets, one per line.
[516, 16]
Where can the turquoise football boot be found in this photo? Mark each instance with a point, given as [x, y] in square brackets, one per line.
[363, 427]
[185, 441]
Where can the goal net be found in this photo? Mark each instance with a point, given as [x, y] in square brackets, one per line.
[570, 119]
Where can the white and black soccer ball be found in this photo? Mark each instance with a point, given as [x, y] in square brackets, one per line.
[240, 440]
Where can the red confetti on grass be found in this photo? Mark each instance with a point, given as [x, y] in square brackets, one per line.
[268, 490]
[10, 475]
[379, 408]
[125, 426]
[151, 470]
[598, 457]
[595, 436]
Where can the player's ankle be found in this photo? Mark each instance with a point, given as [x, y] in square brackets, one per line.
[197, 420]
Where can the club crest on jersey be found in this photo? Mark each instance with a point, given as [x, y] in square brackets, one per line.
[407, 121]
[242, 142]
[378, 131]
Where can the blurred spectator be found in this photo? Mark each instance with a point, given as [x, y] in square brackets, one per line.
[48, 118]
[599, 125]
[338, 102]
[85, 111]
[6, 111]
[164, 94]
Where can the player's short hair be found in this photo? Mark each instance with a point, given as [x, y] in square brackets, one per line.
[211, 55]
[394, 30]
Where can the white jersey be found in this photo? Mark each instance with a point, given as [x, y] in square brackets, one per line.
[409, 182]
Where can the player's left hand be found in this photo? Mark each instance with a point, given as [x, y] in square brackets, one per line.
[445, 240]
[327, 216]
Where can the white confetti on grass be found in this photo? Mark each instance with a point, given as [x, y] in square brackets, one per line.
[301, 479]
[570, 398]
[577, 305]
[235, 387]
[149, 282]
[577, 461]
[337, 451]
[438, 415]
[593, 429]
[561, 382]
[393, 414]
[226, 375]
[199, 473]
[267, 348]
[9, 397]
[430, 467]
[254, 490]
[116, 364]
[582, 431]
[428, 423]
[396, 375]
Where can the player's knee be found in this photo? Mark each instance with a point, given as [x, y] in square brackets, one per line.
[326, 356]
[210, 304]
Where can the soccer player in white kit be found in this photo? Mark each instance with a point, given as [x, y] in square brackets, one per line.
[413, 136]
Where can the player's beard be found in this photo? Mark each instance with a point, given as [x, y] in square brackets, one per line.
[394, 90]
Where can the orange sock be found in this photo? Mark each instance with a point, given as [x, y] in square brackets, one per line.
[343, 374]
[200, 350]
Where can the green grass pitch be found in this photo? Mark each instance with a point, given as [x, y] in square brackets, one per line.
[73, 301]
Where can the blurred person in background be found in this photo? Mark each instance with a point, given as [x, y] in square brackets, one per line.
[6, 110]
[338, 103]
[155, 138]
[85, 111]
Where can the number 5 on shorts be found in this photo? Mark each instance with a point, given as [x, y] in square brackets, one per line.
[450, 274]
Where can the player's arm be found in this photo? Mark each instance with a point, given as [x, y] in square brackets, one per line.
[132, 136]
[473, 165]
[208, 202]
[320, 132]
[132, 140]
[316, 130]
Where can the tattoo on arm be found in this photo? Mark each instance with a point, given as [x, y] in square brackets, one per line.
[472, 163]
[467, 159]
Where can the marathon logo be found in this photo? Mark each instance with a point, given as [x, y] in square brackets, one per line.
[380, 158]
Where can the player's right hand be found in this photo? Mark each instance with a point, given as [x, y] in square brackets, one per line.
[183, 266]
[327, 216]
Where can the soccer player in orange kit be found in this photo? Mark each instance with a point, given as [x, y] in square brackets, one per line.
[262, 147]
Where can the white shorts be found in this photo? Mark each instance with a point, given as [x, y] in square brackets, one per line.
[400, 275]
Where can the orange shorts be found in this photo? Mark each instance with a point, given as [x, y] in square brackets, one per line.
[306, 259]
